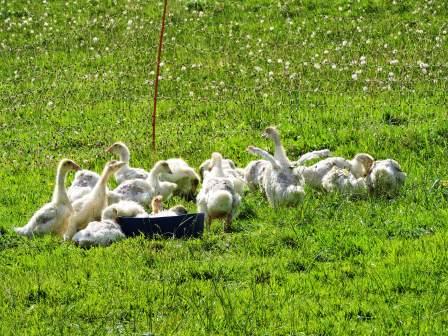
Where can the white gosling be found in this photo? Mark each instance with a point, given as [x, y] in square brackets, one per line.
[100, 233]
[53, 217]
[126, 172]
[163, 188]
[218, 198]
[282, 185]
[344, 182]
[89, 207]
[386, 178]
[237, 175]
[184, 176]
[142, 191]
[123, 209]
[82, 184]
[359, 166]
[255, 171]
[136, 190]
[158, 211]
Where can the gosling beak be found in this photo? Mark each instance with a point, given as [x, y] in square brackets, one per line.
[109, 149]
[76, 167]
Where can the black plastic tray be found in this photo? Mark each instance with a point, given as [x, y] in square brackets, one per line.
[190, 225]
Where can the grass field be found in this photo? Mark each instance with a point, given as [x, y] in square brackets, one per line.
[352, 76]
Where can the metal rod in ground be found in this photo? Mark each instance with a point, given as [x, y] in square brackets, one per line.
[156, 83]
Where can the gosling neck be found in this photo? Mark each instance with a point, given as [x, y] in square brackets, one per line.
[279, 151]
[154, 173]
[100, 186]
[217, 170]
[60, 193]
[125, 155]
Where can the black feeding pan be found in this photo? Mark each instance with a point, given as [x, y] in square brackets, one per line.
[190, 225]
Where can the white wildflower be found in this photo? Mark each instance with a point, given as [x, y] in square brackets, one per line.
[362, 60]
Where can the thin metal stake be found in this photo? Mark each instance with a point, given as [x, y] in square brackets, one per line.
[156, 83]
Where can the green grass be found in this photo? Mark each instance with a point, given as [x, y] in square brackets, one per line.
[77, 77]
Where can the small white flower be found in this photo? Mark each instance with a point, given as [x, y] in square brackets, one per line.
[355, 76]
[317, 66]
[391, 76]
[393, 62]
[422, 65]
